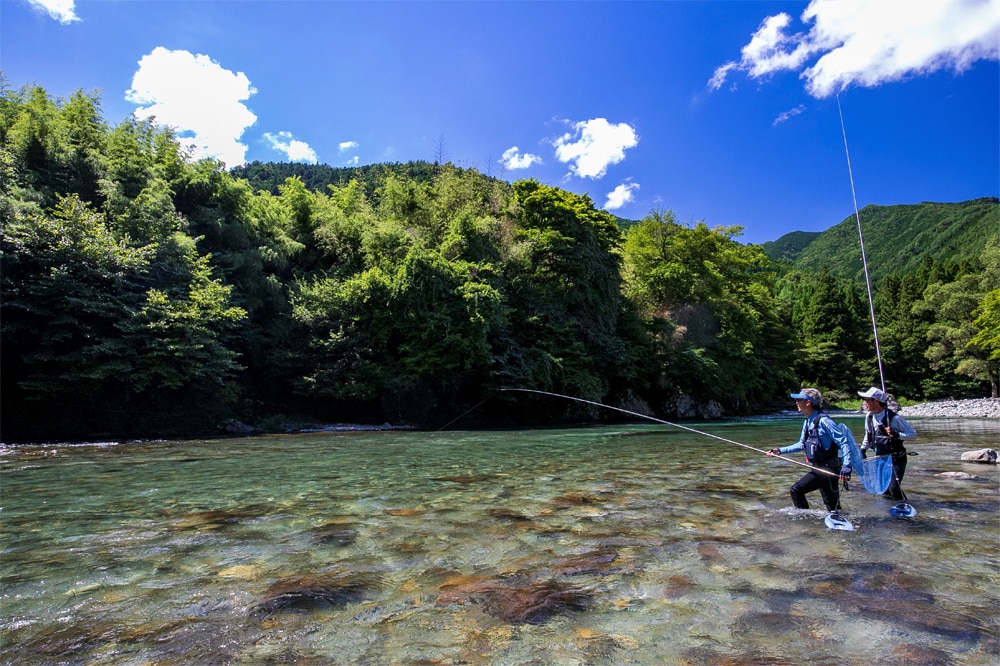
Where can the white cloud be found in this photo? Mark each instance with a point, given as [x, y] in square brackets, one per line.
[295, 150]
[621, 195]
[60, 10]
[594, 145]
[791, 113]
[344, 146]
[200, 99]
[867, 43]
[513, 159]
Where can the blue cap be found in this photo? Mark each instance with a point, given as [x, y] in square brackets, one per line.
[810, 394]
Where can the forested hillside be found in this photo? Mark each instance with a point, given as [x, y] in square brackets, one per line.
[146, 294]
[897, 238]
[789, 247]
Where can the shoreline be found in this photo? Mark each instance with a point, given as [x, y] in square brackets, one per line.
[972, 408]
[977, 408]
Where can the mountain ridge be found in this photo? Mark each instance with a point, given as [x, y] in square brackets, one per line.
[896, 238]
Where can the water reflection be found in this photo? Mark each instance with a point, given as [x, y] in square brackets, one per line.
[582, 546]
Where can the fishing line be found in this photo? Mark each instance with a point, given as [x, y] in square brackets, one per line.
[864, 259]
[465, 412]
[675, 425]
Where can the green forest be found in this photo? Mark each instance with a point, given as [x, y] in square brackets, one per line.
[146, 294]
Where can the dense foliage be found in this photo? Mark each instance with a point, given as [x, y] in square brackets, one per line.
[897, 238]
[144, 293]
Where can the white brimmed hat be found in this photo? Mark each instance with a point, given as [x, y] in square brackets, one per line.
[876, 393]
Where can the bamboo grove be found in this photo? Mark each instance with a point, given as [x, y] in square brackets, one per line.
[147, 294]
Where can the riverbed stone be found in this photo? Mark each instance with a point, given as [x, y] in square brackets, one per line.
[963, 476]
[512, 601]
[335, 533]
[241, 571]
[921, 655]
[209, 520]
[599, 562]
[987, 456]
[983, 408]
[310, 591]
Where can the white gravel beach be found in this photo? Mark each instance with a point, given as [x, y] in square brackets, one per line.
[982, 408]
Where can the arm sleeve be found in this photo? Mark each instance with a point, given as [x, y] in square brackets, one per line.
[796, 446]
[864, 442]
[902, 429]
[791, 448]
[833, 435]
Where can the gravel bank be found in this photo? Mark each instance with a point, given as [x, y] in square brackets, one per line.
[983, 408]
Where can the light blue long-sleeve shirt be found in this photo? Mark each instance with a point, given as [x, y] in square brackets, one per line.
[900, 428]
[829, 434]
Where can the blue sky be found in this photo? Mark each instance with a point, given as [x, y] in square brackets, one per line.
[721, 111]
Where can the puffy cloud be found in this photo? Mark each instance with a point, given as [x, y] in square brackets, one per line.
[791, 113]
[196, 96]
[294, 150]
[63, 11]
[594, 145]
[344, 146]
[621, 195]
[513, 159]
[867, 43]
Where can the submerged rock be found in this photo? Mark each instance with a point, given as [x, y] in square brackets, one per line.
[316, 591]
[335, 533]
[405, 513]
[891, 595]
[462, 479]
[532, 602]
[208, 520]
[921, 655]
[599, 561]
[66, 640]
[677, 586]
[574, 499]
[508, 514]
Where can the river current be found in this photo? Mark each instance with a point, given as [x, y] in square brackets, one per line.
[634, 544]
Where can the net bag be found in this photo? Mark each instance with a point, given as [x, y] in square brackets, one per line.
[875, 473]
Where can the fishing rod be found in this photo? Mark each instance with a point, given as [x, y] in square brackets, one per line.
[675, 425]
[903, 508]
[861, 238]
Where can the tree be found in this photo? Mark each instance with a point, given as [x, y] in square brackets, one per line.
[959, 339]
[563, 268]
[710, 306]
[68, 281]
[987, 338]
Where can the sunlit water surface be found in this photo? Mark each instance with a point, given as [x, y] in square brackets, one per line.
[606, 545]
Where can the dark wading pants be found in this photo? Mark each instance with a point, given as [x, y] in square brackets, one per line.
[898, 469]
[827, 485]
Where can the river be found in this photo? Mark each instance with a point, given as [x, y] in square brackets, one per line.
[635, 544]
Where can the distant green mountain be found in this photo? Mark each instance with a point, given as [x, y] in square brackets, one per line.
[896, 238]
[790, 246]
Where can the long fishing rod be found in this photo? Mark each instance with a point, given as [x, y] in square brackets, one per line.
[675, 425]
[864, 259]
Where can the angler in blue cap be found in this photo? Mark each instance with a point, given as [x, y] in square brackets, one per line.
[826, 449]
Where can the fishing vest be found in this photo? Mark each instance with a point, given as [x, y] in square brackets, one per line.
[879, 440]
[815, 453]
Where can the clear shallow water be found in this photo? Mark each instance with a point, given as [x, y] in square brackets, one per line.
[627, 545]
